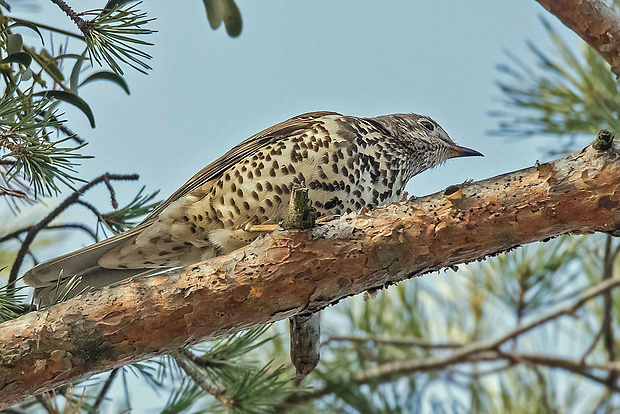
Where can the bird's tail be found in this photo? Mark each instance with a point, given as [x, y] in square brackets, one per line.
[50, 278]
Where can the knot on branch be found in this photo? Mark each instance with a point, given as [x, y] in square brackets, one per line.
[603, 140]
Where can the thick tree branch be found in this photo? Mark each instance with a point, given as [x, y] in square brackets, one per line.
[594, 21]
[290, 272]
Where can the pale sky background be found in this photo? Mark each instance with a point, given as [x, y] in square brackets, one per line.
[207, 92]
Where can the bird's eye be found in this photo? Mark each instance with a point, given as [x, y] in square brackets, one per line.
[428, 125]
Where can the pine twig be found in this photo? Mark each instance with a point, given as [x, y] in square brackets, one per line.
[181, 358]
[105, 389]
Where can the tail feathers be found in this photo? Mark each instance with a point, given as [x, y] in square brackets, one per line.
[78, 263]
[51, 277]
[93, 278]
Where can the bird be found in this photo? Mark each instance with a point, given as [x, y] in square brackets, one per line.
[347, 163]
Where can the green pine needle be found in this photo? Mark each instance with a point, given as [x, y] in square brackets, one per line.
[110, 37]
[122, 219]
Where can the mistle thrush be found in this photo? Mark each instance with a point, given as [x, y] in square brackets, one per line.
[347, 163]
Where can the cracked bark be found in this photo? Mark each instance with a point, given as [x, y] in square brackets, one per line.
[291, 272]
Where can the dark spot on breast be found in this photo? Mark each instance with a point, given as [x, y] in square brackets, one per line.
[332, 203]
[259, 186]
[254, 195]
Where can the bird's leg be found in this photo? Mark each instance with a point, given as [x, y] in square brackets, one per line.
[305, 330]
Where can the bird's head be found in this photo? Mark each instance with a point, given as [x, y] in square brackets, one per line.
[430, 143]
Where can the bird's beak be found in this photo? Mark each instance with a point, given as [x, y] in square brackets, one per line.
[459, 151]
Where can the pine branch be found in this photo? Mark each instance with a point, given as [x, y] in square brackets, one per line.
[285, 273]
[594, 21]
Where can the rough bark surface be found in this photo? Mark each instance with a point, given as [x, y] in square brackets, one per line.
[289, 272]
[594, 21]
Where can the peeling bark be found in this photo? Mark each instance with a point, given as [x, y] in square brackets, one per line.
[594, 21]
[290, 272]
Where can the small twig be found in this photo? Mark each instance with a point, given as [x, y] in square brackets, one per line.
[43, 399]
[65, 130]
[607, 325]
[68, 226]
[47, 27]
[606, 329]
[105, 389]
[92, 208]
[575, 367]
[79, 22]
[112, 193]
[479, 374]
[410, 342]
[72, 199]
[179, 358]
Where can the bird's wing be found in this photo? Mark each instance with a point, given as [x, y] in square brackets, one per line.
[89, 255]
[216, 168]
